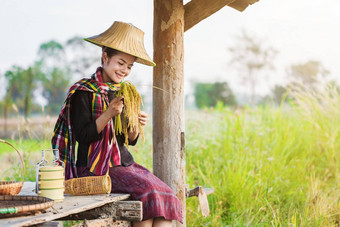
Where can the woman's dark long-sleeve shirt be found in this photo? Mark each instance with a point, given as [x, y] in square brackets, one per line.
[85, 129]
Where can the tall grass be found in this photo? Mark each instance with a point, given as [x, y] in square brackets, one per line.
[269, 166]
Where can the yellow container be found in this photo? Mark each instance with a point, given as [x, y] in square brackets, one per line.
[48, 184]
[51, 182]
[56, 194]
[51, 173]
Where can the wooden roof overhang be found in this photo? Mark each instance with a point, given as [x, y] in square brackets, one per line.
[198, 10]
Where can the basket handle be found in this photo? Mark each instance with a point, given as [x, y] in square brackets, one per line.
[22, 161]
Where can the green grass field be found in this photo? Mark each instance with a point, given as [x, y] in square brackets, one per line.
[269, 166]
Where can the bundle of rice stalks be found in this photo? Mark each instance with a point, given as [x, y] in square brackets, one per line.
[131, 111]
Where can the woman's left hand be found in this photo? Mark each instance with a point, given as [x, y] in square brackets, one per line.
[143, 118]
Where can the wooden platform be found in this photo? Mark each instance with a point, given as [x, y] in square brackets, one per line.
[74, 206]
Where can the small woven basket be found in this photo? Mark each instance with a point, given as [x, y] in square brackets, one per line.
[92, 185]
[12, 187]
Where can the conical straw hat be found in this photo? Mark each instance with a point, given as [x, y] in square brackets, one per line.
[125, 38]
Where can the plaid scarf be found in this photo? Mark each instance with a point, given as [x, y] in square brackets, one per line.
[102, 153]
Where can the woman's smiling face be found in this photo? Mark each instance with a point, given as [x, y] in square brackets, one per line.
[117, 67]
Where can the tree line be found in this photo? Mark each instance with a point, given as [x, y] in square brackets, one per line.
[252, 59]
[59, 64]
[47, 79]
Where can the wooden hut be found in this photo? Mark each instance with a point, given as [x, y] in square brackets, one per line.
[171, 19]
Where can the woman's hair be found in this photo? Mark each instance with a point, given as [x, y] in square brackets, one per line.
[110, 52]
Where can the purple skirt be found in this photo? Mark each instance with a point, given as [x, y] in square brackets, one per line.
[157, 197]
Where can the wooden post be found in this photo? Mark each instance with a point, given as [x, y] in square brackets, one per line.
[168, 105]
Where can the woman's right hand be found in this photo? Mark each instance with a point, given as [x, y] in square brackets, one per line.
[116, 106]
[114, 109]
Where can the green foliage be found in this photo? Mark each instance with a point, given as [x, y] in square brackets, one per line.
[22, 84]
[209, 94]
[14, 77]
[56, 79]
[30, 151]
[55, 86]
[280, 95]
[50, 77]
[51, 49]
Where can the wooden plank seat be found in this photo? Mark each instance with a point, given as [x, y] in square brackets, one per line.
[94, 210]
[108, 206]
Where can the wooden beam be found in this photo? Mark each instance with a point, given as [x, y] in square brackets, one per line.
[195, 191]
[198, 10]
[120, 210]
[202, 193]
[168, 103]
[241, 5]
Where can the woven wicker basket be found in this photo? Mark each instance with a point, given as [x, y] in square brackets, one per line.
[88, 185]
[12, 187]
[17, 205]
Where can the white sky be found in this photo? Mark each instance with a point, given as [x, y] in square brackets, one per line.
[300, 30]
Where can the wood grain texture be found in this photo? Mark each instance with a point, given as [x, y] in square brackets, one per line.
[198, 10]
[168, 103]
[241, 5]
[70, 205]
[120, 210]
[195, 191]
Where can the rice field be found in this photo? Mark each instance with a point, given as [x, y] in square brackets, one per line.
[269, 166]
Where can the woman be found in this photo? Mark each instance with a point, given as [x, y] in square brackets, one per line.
[88, 118]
